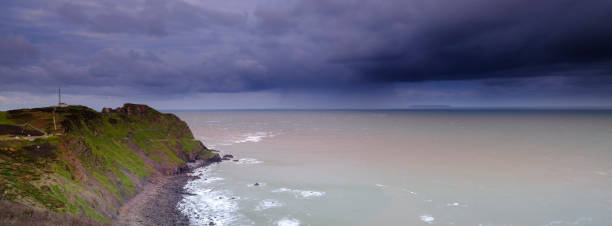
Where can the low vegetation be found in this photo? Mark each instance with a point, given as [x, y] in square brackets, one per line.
[90, 162]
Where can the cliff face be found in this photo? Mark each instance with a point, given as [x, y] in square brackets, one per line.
[83, 163]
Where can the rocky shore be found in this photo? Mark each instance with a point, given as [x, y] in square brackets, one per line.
[156, 204]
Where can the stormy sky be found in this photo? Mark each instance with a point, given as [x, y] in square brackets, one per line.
[202, 54]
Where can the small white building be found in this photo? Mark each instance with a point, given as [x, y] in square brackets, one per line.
[59, 97]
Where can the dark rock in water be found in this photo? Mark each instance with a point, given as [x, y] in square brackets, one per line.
[256, 184]
[182, 169]
[235, 160]
[211, 223]
[216, 158]
[227, 157]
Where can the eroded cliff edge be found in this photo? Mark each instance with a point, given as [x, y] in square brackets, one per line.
[75, 165]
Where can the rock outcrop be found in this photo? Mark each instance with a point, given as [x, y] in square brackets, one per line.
[227, 157]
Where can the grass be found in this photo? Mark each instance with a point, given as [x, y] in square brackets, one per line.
[19, 182]
[90, 212]
[124, 182]
[18, 214]
[4, 119]
[107, 183]
[50, 173]
[64, 169]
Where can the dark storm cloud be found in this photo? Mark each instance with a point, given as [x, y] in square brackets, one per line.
[158, 47]
[447, 40]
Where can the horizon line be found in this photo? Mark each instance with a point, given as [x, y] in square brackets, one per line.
[392, 109]
[413, 108]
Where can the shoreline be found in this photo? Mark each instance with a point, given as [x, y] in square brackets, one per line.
[156, 203]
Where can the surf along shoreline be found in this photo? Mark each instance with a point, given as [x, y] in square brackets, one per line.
[157, 203]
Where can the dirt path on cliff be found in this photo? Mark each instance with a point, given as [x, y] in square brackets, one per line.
[155, 204]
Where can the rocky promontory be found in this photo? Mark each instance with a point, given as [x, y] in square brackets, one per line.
[76, 166]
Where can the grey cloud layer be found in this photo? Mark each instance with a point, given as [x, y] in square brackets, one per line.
[16, 50]
[154, 17]
[162, 47]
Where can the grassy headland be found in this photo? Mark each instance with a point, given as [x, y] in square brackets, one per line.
[88, 163]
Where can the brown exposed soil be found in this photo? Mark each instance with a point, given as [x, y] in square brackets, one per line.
[18, 130]
[44, 150]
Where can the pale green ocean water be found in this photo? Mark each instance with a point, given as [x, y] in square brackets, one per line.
[440, 167]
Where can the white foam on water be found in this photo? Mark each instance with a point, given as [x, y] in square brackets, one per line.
[409, 191]
[209, 180]
[288, 222]
[254, 137]
[247, 161]
[281, 190]
[199, 172]
[309, 194]
[303, 194]
[247, 137]
[601, 173]
[380, 185]
[456, 204]
[579, 221]
[427, 219]
[226, 144]
[267, 204]
[208, 204]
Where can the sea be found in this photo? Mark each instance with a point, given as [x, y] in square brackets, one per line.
[403, 167]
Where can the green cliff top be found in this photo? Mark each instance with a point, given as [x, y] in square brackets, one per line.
[79, 162]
